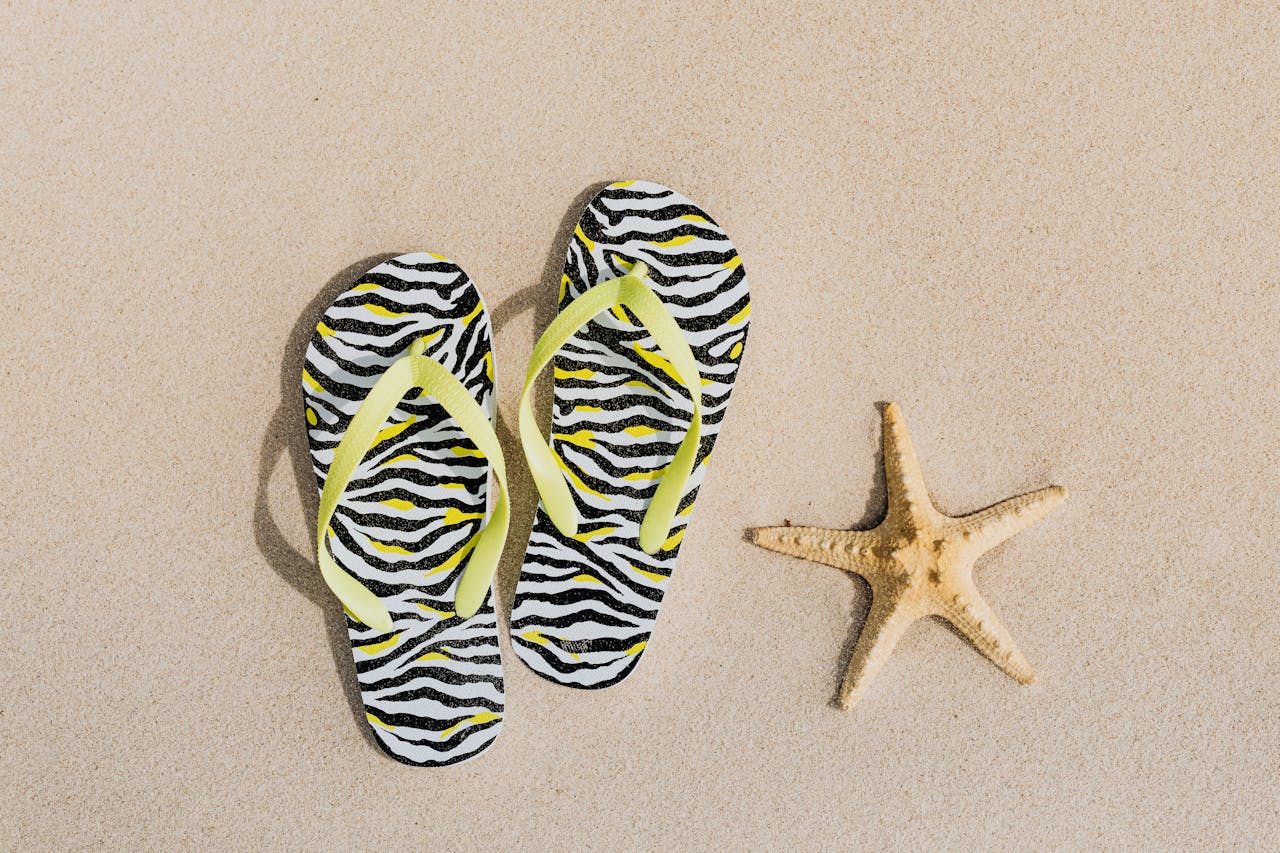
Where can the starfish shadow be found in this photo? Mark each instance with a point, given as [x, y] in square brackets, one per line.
[873, 512]
[877, 505]
[860, 609]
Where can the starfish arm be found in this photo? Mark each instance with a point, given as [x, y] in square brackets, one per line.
[903, 476]
[989, 527]
[844, 549]
[975, 619]
[885, 625]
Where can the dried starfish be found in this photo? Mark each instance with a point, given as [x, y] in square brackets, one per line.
[918, 563]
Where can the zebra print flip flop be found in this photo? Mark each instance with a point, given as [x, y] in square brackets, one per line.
[404, 492]
[654, 309]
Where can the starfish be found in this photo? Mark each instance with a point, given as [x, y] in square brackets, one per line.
[918, 562]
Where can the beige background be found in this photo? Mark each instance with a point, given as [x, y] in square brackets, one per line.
[1051, 236]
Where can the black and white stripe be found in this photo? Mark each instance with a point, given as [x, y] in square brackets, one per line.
[432, 687]
[586, 605]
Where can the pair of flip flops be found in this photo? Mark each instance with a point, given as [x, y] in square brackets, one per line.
[399, 395]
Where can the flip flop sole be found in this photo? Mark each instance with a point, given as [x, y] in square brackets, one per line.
[432, 687]
[586, 605]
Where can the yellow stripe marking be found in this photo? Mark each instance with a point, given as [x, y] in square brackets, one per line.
[736, 351]
[395, 429]
[577, 481]
[383, 312]
[657, 361]
[589, 408]
[488, 365]
[453, 515]
[693, 217]
[653, 576]
[312, 383]
[443, 614]
[473, 720]
[586, 241]
[403, 457]
[564, 285]
[620, 313]
[454, 559]
[466, 451]
[636, 649]
[644, 475]
[377, 722]
[584, 373]
[398, 503]
[741, 315]
[733, 264]
[366, 285]
[430, 656]
[437, 257]
[536, 637]
[475, 312]
[674, 241]
[587, 579]
[542, 640]
[587, 535]
[583, 438]
[673, 540]
[374, 648]
[323, 329]
[388, 549]
[311, 416]
[640, 430]
[622, 184]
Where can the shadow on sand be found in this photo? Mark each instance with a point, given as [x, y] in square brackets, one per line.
[286, 435]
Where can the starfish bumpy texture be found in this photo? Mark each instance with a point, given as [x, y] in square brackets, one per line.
[918, 563]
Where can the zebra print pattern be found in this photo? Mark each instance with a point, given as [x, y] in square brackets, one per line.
[586, 605]
[432, 687]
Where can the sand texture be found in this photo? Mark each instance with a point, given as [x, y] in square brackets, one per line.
[1051, 235]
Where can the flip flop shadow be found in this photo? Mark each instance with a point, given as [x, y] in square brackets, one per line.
[286, 436]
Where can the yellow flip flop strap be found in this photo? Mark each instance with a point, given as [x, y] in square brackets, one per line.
[414, 370]
[630, 291]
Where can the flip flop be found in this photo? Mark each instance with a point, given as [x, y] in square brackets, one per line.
[404, 492]
[654, 309]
